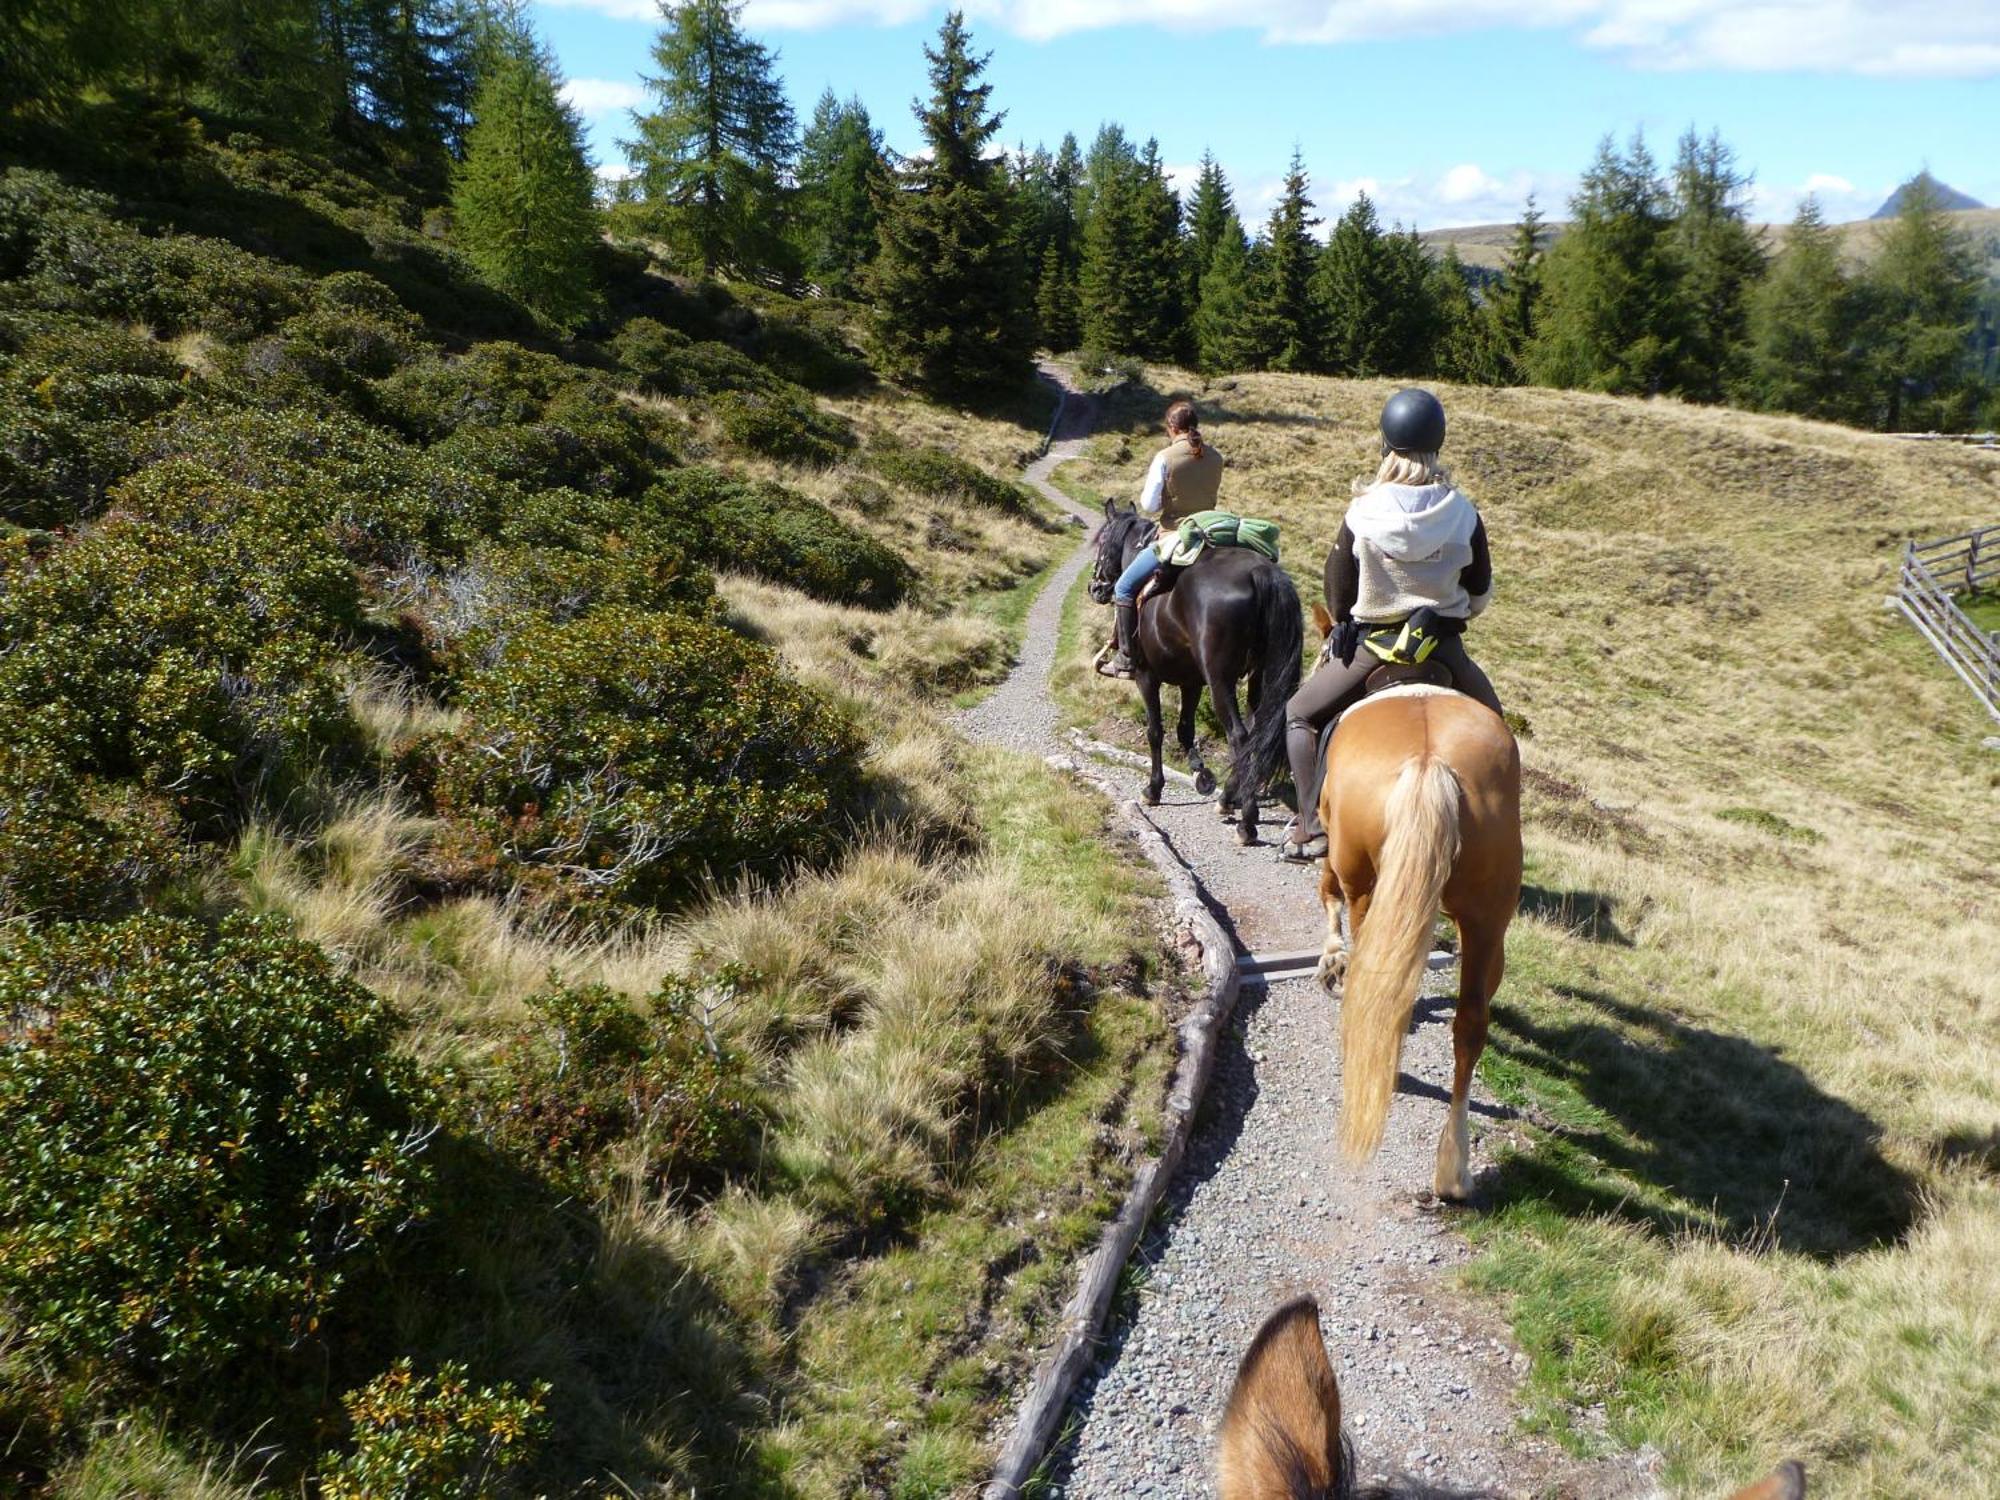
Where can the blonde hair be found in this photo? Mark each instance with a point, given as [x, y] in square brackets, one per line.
[1405, 468]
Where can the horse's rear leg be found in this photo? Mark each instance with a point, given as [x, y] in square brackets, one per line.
[1482, 959]
[1240, 794]
[1156, 733]
[1332, 970]
[1204, 780]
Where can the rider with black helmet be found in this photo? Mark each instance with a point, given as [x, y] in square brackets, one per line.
[1411, 552]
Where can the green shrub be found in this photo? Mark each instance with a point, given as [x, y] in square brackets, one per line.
[203, 1137]
[333, 348]
[495, 384]
[944, 476]
[76, 397]
[810, 353]
[785, 425]
[196, 658]
[77, 846]
[586, 439]
[667, 363]
[763, 528]
[421, 1437]
[624, 756]
[594, 1072]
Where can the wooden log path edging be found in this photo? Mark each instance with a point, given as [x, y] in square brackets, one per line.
[1055, 1381]
[1124, 757]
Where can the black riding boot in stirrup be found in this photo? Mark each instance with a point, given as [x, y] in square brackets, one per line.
[1120, 662]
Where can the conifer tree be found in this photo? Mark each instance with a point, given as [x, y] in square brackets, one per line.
[1615, 317]
[1225, 332]
[1286, 322]
[1130, 279]
[1211, 218]
[950, 311]
[1352, 294]
[1460, 346]
[843, 179]
[711, 153]
[1923, 295]
[523, 197]
[1803, 328]
[1057, 301]
[1511, 312]
[1722, 262]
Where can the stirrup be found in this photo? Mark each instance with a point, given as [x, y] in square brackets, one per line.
[1117, 664]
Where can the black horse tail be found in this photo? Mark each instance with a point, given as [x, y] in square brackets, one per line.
[1283, 629]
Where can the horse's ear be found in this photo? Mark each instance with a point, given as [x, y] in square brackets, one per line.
[1786, 1482]
[1110, 509]
[1322, 621]
[1281, 1429]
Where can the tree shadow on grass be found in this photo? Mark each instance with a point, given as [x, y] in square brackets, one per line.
[1587, 914]
[1736, 1138]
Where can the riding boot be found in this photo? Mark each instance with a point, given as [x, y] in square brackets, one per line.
[1302, 750]
[1120, 663]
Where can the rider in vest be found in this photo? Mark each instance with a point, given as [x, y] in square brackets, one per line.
[1411, 542]
[1184, 477]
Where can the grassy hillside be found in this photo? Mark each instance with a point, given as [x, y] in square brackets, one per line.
[1751, 1017]
[505, 985]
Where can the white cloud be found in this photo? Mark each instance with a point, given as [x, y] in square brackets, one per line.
[602, 96]
[1893, 38]
[1839, 199]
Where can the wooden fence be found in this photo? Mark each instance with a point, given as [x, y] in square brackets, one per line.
[1932, 573]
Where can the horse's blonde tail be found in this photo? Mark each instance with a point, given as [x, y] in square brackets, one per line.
[1419, 848]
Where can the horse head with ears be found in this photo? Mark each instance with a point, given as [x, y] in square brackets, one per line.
[1282, 1438]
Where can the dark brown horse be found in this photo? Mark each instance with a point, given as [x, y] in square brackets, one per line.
[1233, 615]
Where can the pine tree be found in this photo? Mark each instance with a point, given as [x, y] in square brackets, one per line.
[1211, 218]
[1511, 312]
[1803, 329]
[951, 311]
[1923, 297]
[1130, 279]
[843, 180]
[1461, 348]
[1225, 333]
[1615, 318]
[1057, 301]
[1352, 293]
[711, 154]
[409, 67]
[1723, 264]
[523, 196]
[1286, 323]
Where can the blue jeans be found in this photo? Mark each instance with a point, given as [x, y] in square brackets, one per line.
[1142, 567]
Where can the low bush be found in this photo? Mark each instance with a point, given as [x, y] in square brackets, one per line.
[810, 353]
[784, 425]
[204, 1138]
[666, 362]
[494, 384]
[76, 846]
[944, 476]
[355, 331]
[594, 1073]
[195, 657]
[586, 439]
[422, 1437]
[758, 527]
[626, 756]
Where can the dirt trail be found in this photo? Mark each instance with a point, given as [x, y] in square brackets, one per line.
[1264, 1207]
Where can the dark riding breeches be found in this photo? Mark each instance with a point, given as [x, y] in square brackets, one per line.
[1333, 687]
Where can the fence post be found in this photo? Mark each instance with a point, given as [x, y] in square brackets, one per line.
[1972, 563]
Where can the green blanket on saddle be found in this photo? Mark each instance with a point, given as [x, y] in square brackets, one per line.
[1216, 528]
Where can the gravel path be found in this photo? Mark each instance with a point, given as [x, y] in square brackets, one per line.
[1265, 1208]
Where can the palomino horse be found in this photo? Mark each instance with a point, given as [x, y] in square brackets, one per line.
[1422, 808]
[1234, 614]
[1281, 1436]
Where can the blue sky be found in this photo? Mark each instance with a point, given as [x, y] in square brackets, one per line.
[1444, 111]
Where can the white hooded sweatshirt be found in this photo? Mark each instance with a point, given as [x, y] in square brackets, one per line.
[1411, 542]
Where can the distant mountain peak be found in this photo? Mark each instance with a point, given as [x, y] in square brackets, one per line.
[1949, 198]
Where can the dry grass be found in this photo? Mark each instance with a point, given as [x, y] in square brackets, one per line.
[1755, 1000]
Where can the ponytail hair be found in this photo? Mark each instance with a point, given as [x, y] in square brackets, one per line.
[1182, 422]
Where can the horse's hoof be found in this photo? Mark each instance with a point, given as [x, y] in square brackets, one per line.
[1246, 835]
[1204, 782]
[1332, 970]
[1152, 796]
[1229, 812]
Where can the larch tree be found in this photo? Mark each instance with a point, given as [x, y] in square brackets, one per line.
[712, 153]
[523, 197]
[1721, 265]
[948, 285]
[843, 181]
[1615, 317]
[1804, 354]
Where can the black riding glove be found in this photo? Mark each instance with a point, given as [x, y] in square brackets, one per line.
[1346, 640]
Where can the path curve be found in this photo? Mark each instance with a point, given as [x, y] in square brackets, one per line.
[1264, 1208]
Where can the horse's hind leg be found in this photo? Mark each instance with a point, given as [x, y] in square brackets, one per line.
[1240, 794]
[1482, 959]
[1204, 780]
[1332, 970]
[1156, 733]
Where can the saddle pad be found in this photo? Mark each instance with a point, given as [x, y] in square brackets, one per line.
[1408, 690]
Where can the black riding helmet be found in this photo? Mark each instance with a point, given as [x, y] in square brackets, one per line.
[1413, 422]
